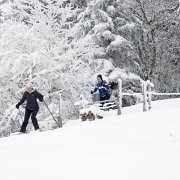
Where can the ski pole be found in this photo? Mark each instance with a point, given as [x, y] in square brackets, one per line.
[51, 114]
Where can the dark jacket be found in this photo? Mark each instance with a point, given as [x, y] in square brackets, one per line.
[31, 99]
[103, 89]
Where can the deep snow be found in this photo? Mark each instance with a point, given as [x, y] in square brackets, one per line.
[133, 146]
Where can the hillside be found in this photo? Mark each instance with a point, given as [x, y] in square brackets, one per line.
[136, 145]
[61, 46]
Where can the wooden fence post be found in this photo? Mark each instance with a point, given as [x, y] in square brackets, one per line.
[144, 96]
[83, 101]
[59, 116]
[149, 94]
[119, 97]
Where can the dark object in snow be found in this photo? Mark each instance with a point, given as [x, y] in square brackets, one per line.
[113, 85]
[99, 117]
[87, 116]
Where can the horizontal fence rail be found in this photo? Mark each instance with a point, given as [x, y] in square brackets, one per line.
[147, 93]
[166, 94]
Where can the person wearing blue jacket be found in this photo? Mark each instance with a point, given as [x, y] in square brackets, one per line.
[102, 87]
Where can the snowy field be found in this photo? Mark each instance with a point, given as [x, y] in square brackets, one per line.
[134, 146]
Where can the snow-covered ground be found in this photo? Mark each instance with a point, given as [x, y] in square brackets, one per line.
[134, 146]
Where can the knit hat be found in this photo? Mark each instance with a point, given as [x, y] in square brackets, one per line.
[100, 76]
[29, 85]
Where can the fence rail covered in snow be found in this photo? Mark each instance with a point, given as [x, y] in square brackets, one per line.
[147, 93]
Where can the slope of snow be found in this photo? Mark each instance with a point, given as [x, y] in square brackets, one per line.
[134, 146]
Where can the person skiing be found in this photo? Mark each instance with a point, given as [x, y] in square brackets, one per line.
[103, 87]
[30, 96]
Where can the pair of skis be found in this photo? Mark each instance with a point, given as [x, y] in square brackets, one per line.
[27, 132]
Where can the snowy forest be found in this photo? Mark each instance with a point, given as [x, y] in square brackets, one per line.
[60, 46]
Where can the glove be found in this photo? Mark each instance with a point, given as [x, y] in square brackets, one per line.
[41, 99]
[17, 106]
[92, 92]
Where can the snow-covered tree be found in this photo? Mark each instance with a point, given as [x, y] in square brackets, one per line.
[102, 20]
[53, 61]
[156, 43]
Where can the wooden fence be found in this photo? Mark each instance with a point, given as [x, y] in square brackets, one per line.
[147, 92]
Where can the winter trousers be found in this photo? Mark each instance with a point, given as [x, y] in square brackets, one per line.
[33, 114]
[102, 99]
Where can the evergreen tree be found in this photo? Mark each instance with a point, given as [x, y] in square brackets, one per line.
[104, 20]
[156, 43]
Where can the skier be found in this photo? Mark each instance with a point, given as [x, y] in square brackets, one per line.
[32, 107]
[103, 87]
